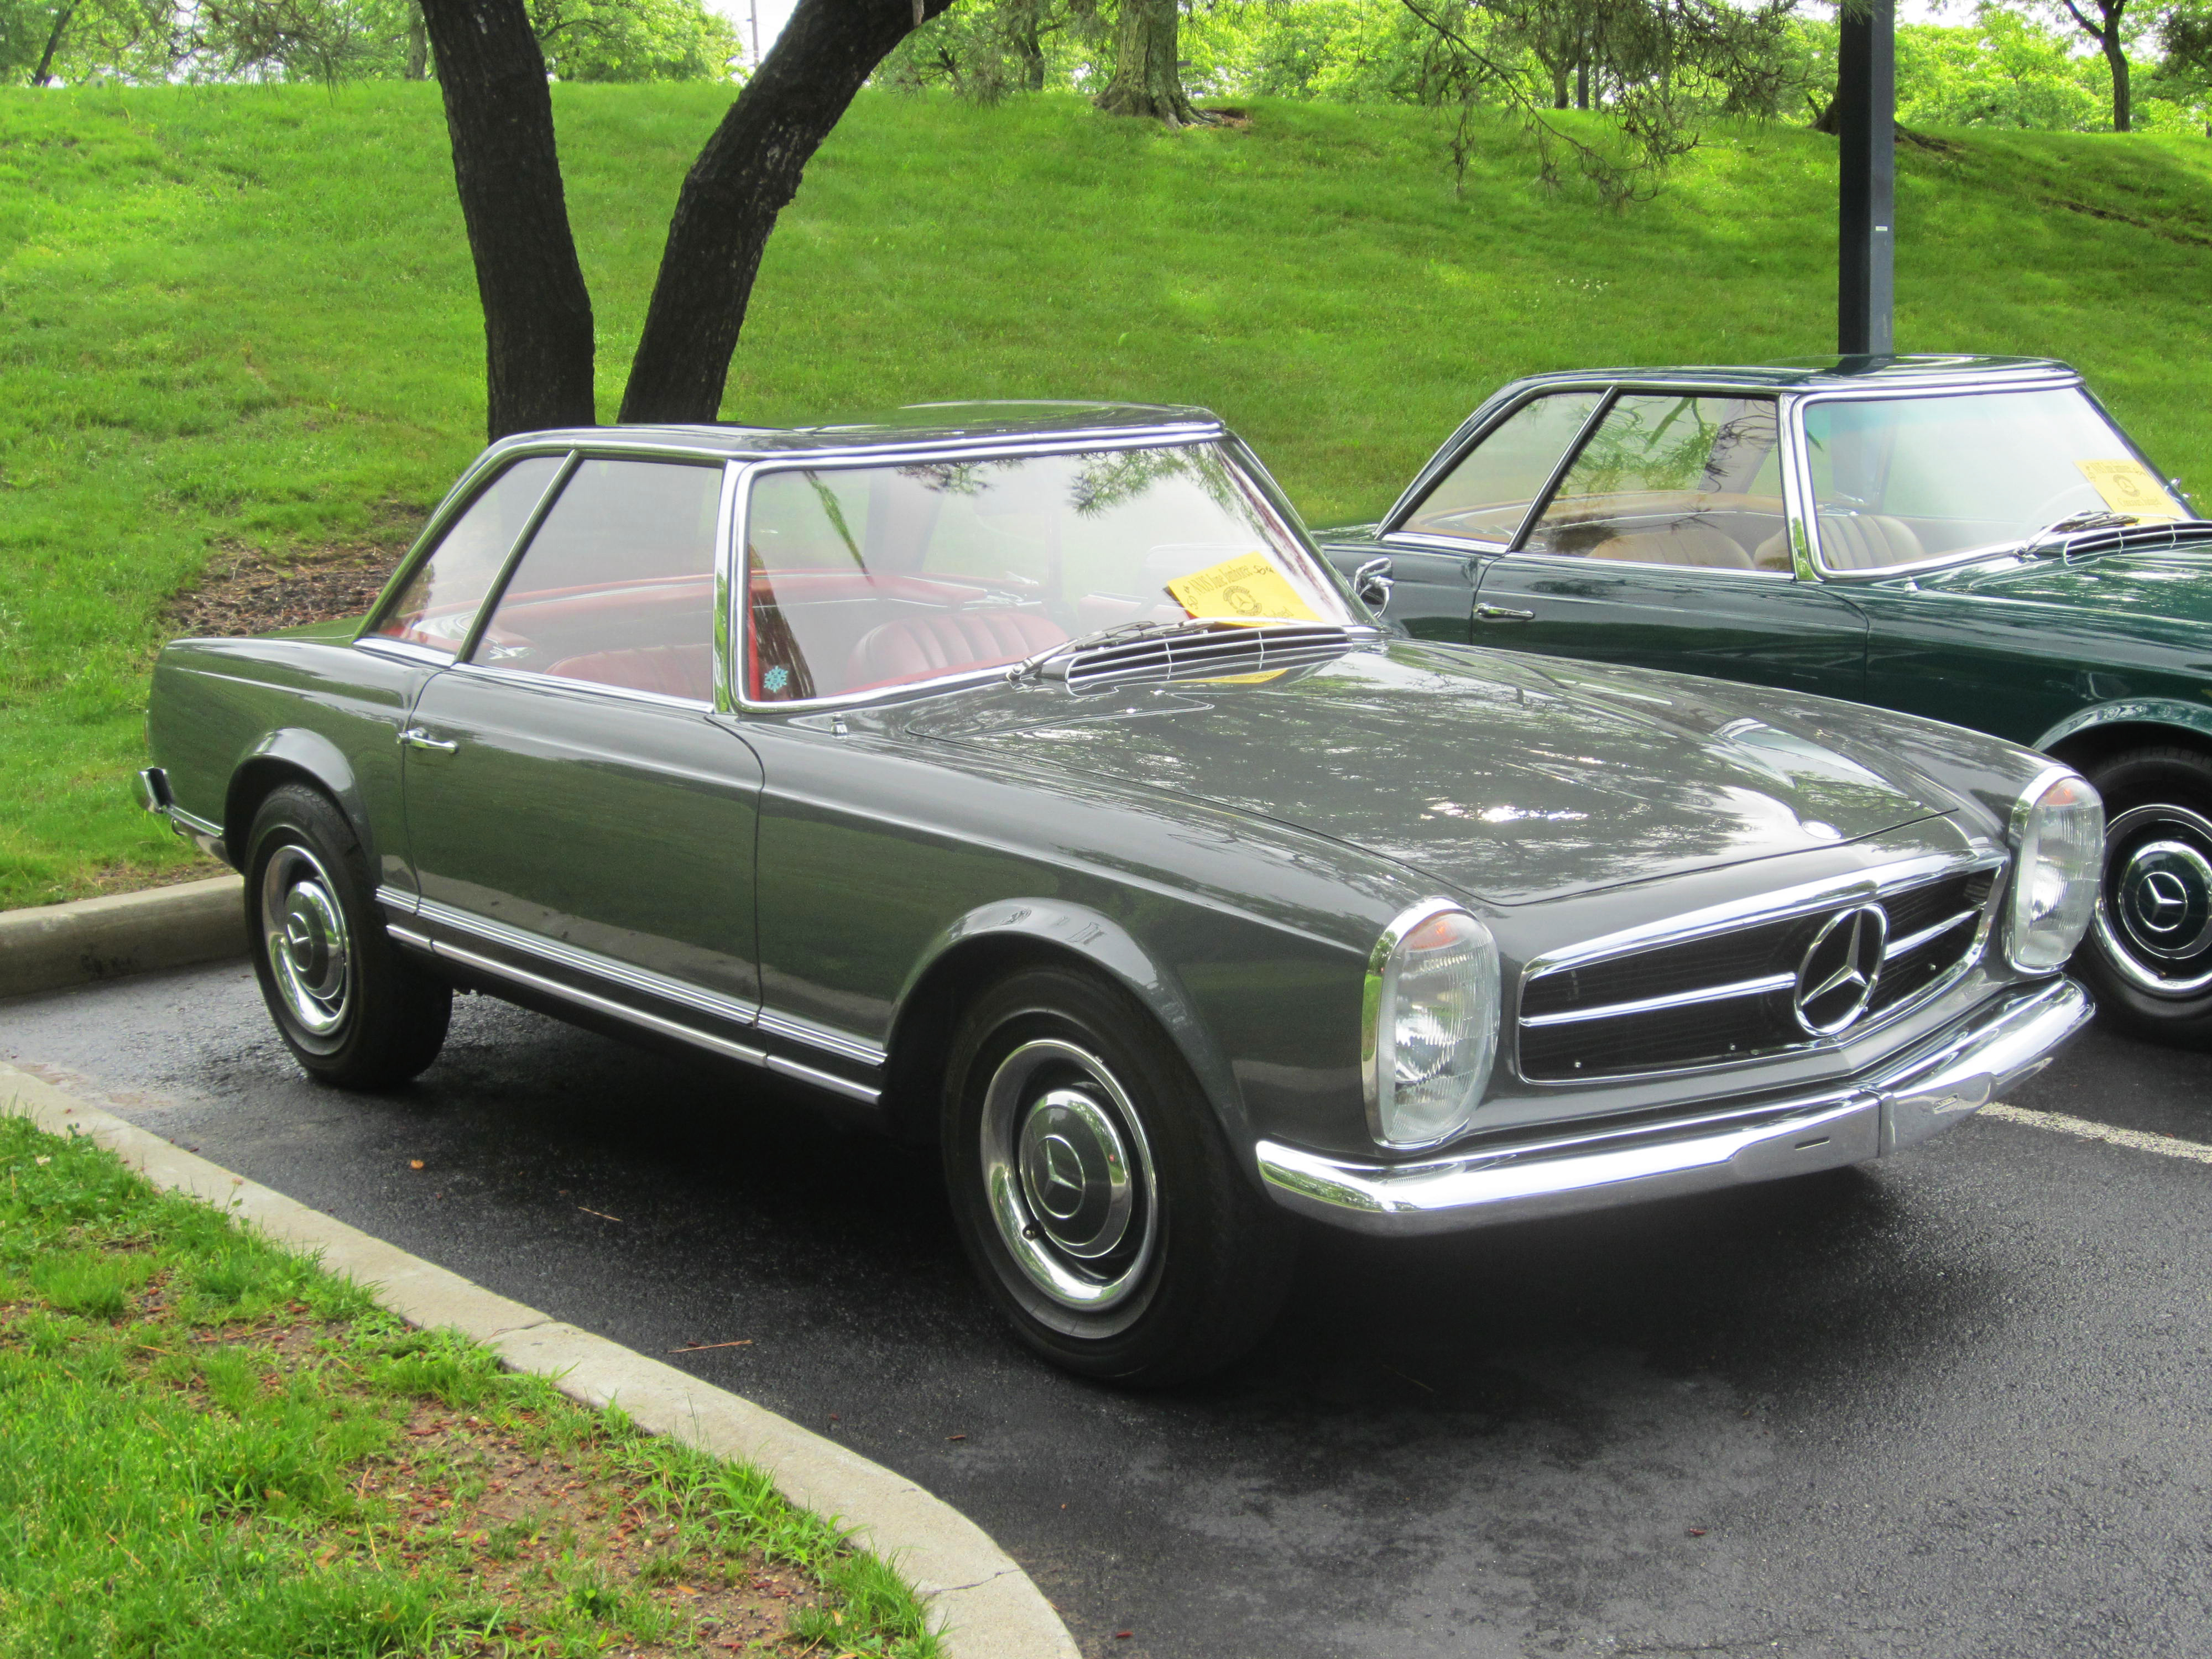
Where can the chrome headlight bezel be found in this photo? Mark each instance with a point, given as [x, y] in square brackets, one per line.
[1472, 1054]
[2058, 824]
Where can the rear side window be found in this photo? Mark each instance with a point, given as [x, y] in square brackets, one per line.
[1486, 496]
[440, 601]
[617, 586]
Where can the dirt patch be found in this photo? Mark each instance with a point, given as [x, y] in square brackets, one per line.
[244, 591]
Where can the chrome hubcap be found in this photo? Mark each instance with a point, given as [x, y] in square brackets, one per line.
[2154, 912]
[304, 931]
[1068, 1175]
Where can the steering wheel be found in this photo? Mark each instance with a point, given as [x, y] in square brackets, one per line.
[2040, 514]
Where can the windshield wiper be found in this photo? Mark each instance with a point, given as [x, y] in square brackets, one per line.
[2089, 517]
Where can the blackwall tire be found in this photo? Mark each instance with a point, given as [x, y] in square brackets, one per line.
[1095, 1191]
[355, 1013]
[2148, 955]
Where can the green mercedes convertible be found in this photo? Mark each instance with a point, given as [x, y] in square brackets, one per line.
[1970, 538]
[1022, 779]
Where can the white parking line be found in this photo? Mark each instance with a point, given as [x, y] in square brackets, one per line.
[2165, 1145]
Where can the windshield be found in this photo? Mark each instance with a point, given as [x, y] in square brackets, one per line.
[1898, 480]
[865, 578]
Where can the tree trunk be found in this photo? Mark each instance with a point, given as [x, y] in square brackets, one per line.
[2115, 56]
[1582, 83]
[748, 172]
[538, 312]
[418, 45]
[1029, 48]
[1558, 72]
[1147, 80]
[45, 70]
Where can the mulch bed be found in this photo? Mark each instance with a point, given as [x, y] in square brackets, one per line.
[244, 592]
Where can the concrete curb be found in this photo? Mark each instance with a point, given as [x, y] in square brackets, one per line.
[52, 945]
[984, 1603]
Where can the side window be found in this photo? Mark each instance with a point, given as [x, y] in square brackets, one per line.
[440, 604]
[1486, 496]
[617, 586]
[1670, 479]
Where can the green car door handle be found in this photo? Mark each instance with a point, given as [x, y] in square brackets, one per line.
[1503, 613]
[415, 737]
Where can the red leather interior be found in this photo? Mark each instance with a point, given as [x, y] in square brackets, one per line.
[921, 646]
[673, 670]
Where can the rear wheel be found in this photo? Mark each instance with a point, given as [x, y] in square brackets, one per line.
[354, 1012]
[2148, 956]
[1095, 1191]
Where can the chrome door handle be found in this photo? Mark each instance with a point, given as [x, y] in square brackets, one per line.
[1501, 613]
[415, 737]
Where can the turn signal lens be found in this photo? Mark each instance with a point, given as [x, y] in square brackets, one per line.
[2058, 841]
[1430, 1025]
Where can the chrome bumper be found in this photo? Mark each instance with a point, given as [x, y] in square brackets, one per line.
[1906, 1101]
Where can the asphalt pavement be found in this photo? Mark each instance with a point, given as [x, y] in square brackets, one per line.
[1955, 1404]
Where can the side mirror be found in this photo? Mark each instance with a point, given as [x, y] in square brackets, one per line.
[1371, 582]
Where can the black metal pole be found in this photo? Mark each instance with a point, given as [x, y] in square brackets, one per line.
[1866, 127]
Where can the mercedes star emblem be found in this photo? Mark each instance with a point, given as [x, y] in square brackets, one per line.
[1836, 980]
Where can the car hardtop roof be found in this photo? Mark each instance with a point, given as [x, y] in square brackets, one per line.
[1833, 373]
[917, 426]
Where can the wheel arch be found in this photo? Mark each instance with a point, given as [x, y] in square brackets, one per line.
[291, 756]
[2083, 738]
[995, 940]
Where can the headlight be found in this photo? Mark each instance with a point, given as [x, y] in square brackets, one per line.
[2059, 842]
[1428, 1024]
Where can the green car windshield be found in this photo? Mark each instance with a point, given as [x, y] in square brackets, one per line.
[865, 579]
[1900, 481]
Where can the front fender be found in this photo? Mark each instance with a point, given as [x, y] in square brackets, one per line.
[2132, 711]
[1047, 927]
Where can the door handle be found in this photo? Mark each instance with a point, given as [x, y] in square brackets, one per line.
[1502, 613]
[415, 737]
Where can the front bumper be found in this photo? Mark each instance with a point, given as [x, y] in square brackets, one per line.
[1905, 1100]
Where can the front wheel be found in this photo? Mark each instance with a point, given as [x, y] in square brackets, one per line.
[2148, 956]
[353, 1011]
[1095, 1192]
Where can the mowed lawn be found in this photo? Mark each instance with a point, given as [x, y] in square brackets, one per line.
[243, 319]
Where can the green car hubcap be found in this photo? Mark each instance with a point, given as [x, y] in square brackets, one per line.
[2155, 916]
[304, 932]
[1068, 1175]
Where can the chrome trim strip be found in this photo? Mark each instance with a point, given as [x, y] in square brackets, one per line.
[606, 968]
[408, 936]
[676, 1028]
[1742, 988]
[559, 681]
[1911, 942]
[829, 1040]
[1901, 1103]
[405, 650]
[826, 1037]
[829, 1080]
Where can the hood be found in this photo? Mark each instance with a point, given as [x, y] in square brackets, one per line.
[2155, 586]
[1510, 778]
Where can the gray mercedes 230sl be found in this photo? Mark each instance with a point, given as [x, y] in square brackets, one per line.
[1020, 776]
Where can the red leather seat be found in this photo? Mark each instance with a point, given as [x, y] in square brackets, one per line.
[673, 670]
[923, 647]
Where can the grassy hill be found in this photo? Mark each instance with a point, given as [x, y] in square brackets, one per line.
[241, 323]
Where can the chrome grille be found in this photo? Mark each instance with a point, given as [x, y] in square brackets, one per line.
[1213, 652]
[1733, 994]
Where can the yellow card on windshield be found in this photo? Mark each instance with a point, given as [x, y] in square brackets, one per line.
[2131, 487]
[1245, 589]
